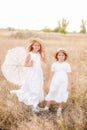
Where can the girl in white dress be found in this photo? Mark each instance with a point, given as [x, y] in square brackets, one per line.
[60, 81]
[31, 93]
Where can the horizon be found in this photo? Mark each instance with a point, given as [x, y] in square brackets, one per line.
[36, 15]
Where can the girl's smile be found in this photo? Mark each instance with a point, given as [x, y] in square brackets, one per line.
[61, 57]
[36, 47]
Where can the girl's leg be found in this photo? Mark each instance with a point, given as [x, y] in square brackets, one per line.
[34, 108]
[59, 110]
[61, 105]
[47, 106]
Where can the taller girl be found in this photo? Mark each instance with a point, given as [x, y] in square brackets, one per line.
[32, 91]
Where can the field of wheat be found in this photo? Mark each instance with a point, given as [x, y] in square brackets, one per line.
[17, 116]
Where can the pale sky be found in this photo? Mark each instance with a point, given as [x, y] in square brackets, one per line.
[37, 14]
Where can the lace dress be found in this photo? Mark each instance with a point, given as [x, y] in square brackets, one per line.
[31, 91]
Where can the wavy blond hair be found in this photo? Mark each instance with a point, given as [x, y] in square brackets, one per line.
[32, 41]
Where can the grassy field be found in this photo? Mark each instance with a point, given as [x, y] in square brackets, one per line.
[18, 116]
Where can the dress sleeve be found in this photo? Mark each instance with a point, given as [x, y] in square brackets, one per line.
[53, 67]
[68, 68]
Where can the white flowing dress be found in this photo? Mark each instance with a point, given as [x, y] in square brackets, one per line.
[30, 79]
[59, 84]
[31, 93]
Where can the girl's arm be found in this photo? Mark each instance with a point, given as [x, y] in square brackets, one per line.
[43, 57]
[28, 62]
[69, 81]
[51, 76]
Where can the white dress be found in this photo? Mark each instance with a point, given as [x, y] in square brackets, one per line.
[59, 84]
[30, 79]
[31, 93]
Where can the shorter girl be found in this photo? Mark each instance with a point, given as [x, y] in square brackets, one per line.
[31, 93]
[60, 81]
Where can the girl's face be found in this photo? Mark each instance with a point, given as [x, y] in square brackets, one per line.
[61, 56]
[36, 47]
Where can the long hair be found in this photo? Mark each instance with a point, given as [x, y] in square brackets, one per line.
[32, 41]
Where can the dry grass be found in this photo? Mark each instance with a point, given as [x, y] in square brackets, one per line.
[17, 116]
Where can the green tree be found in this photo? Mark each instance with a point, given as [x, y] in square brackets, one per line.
[46, 29]
[83, 26]
[62, 26]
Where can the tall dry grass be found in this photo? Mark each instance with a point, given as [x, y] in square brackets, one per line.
[17, 116]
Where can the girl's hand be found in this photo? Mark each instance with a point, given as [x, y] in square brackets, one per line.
[43, 57]
[31, 63]
[69, 81]
[69, 88]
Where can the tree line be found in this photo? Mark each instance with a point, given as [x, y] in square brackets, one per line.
[62, 27]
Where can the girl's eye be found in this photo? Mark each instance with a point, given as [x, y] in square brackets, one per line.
[36, 45]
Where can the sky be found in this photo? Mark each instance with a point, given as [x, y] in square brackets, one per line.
[38, 14]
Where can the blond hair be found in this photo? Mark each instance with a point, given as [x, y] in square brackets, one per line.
[32, 41]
